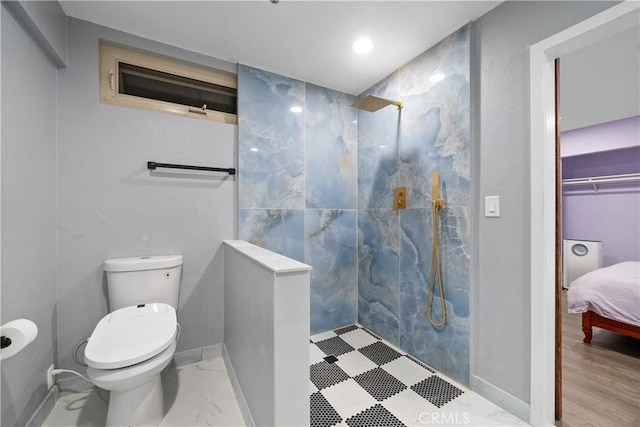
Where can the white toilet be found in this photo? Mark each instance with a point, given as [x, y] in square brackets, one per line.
[130, 346]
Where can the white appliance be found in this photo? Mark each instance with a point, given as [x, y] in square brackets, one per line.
[578, 258]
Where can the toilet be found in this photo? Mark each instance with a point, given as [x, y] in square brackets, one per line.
[131, 345]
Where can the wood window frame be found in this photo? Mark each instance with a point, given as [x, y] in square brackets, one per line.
[112, 55]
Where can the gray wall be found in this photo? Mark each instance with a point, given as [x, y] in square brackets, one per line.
[90, 197]
[28, 215]
[500, 73]
[46, 24]
[109, 205]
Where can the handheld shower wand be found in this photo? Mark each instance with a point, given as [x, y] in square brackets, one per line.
[437, 202]
[435, 273]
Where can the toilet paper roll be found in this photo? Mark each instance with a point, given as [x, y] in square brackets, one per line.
[21, 332]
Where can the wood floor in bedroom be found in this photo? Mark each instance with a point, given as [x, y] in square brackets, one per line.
[601, 380]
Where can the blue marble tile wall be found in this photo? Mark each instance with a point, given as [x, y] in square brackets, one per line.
[403, 148]
[318, 188]
[297, 178]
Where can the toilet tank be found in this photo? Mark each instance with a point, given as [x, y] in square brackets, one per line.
[143, 280]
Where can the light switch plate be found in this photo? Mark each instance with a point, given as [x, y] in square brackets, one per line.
[492, 206]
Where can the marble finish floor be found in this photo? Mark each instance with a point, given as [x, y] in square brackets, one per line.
[199, 394]
[358, 379]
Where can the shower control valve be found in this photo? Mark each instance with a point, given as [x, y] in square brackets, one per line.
[399, 198]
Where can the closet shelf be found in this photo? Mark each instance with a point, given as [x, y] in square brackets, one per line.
[605, 179]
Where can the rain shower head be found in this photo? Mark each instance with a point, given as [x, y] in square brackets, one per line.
[373, 103]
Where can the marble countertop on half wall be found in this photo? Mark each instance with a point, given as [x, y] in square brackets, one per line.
[268, 259]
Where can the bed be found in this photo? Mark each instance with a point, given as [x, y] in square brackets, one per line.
[608, 298]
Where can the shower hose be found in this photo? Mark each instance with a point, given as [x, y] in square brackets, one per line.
[435, 273]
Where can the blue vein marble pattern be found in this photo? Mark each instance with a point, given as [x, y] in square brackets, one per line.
[378, 138]
[297, 169]
[303, 175]
[378, 281]
[270, 140]
[435, 125]
[331, 240]
[430, 133]
[331, 149]
[445, 348]
[279, 230]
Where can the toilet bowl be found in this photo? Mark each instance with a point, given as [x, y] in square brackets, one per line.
[126, 354]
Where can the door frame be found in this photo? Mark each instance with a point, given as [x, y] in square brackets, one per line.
[558, 249]
[542, 56]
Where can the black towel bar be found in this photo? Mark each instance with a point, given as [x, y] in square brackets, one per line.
[154, 165]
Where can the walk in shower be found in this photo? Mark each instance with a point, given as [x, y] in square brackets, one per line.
[316, 183]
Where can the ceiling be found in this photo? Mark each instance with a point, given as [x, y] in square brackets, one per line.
[307, 40]
[311, 41]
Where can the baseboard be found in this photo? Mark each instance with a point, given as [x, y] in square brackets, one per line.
[212, 351]
[74, 384]
[506, 401]
[196, 355]
[43, 410]
[242, 402]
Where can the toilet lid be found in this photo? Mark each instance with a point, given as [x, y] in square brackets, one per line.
[131, 335]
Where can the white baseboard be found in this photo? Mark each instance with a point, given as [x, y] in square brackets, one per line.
[242, 402]
[43, 410]
[506, 401]
[196, 355]
[75, 384]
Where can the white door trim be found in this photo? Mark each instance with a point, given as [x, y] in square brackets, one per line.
[607, 23]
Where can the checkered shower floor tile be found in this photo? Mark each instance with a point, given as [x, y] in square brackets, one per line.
[358, 380]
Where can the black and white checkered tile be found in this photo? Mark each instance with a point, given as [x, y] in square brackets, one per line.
[358, 380]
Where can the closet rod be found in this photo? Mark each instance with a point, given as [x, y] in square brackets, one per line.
[629, 177]
[154, 165]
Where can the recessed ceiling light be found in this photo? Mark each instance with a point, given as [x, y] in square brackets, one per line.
[362, 46]
[435, 78]
[295, 109]
[254, 149]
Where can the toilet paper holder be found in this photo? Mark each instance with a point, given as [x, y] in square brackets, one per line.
[5, 342]
[15, 336]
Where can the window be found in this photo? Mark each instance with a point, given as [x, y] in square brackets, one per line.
[141, 80]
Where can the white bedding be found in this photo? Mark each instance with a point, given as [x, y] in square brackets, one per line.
[612, 292]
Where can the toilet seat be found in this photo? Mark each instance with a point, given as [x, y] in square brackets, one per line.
[131, 376]
[131, 335]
